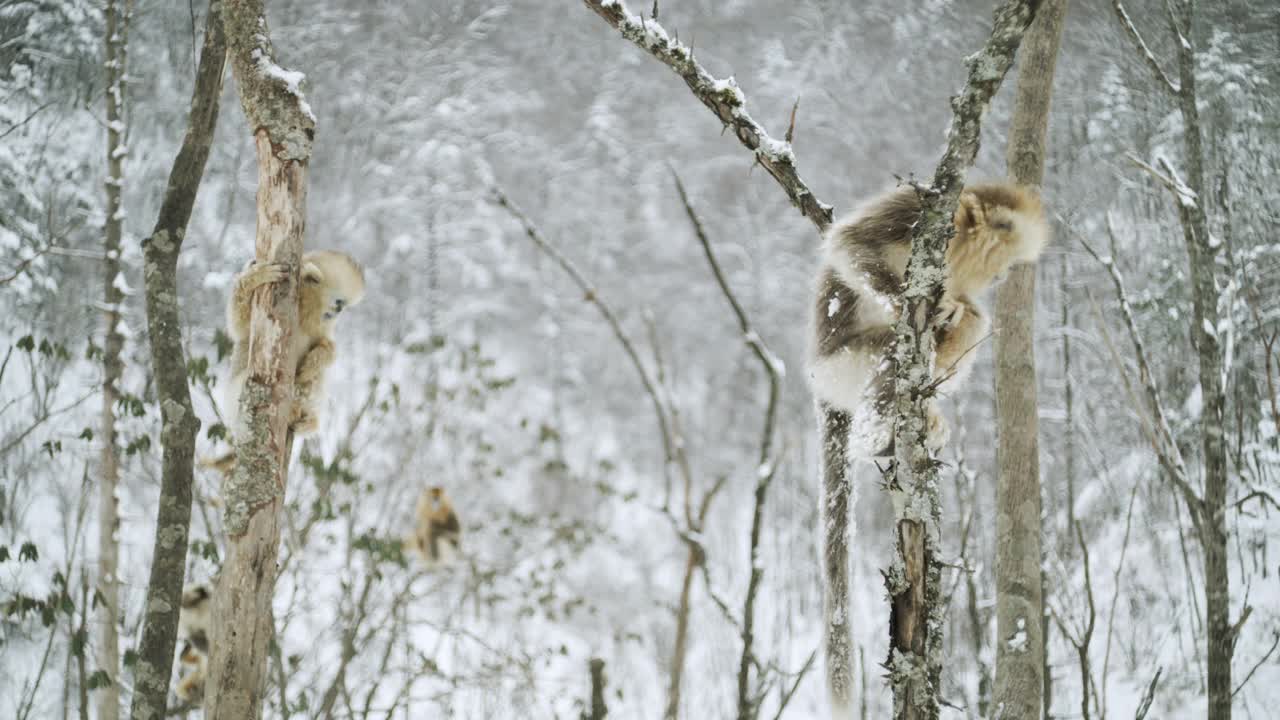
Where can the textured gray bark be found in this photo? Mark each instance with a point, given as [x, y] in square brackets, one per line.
[1020, 675]
[179, 424]
[253, 495]
[1202, 255]
[914, 577]
[108, 645]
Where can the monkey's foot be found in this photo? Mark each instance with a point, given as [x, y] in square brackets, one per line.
[938, 432]
[303, 422]
[191, 688]
[258, 275]
[948, 314]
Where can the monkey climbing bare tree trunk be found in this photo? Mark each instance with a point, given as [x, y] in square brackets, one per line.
[179, 423]
[117, 34]
[1020, 677]
[914, 576]
[253, 495]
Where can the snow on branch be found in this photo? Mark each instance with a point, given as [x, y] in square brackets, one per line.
[1162, 441]
[722, 97]
[1132, 31]
[1168, 177]
[271, 95]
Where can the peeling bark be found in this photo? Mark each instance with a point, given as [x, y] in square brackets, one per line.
[253, 495]
[914, 577]
[1020, 667]
[179, 424]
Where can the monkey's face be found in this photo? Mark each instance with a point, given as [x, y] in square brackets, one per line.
[996, 226]
[436, 496]
[195, 596]
[1020, 233]
[189, 655]
[331, 282]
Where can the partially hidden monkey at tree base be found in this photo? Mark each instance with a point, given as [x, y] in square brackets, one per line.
[859, 296]
[331, 281]
[437, 533]
[193, 630]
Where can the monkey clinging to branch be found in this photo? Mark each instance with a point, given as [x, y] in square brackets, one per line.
[331, 282]
[859, 296]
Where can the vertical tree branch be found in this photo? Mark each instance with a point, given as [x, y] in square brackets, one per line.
[1020, 621]
[113, 282]
[598, 710]
[283, 128]
[1202, 252]
[179, 423]
[914, 577]
[767, 463]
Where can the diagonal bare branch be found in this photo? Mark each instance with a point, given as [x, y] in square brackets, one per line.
[1132, 31]
[1165, 446]
[591, 295]
[722, 97]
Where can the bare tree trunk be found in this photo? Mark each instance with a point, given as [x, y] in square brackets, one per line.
[914, 577]
[598, 709]
[1202, 252]
[682, 637]
[117, 29]
[179, 423]
[283, 129]
[1020, 678]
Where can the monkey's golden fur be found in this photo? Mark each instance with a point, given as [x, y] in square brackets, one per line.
[193, 630]
[860, 289]
[437, 533]
[331, 281]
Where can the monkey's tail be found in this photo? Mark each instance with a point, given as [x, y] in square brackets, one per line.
[224, 463]
[836, 501]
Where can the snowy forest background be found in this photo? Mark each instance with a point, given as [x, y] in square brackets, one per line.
[475, 363]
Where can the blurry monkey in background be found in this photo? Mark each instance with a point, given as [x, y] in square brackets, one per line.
[437, 534]
[193, 631]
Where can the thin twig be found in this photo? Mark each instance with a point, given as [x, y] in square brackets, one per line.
[1132, 31]
[1148, 696]
[1167, 449]
[1275, 642]
[786, 697]
[591, 295]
